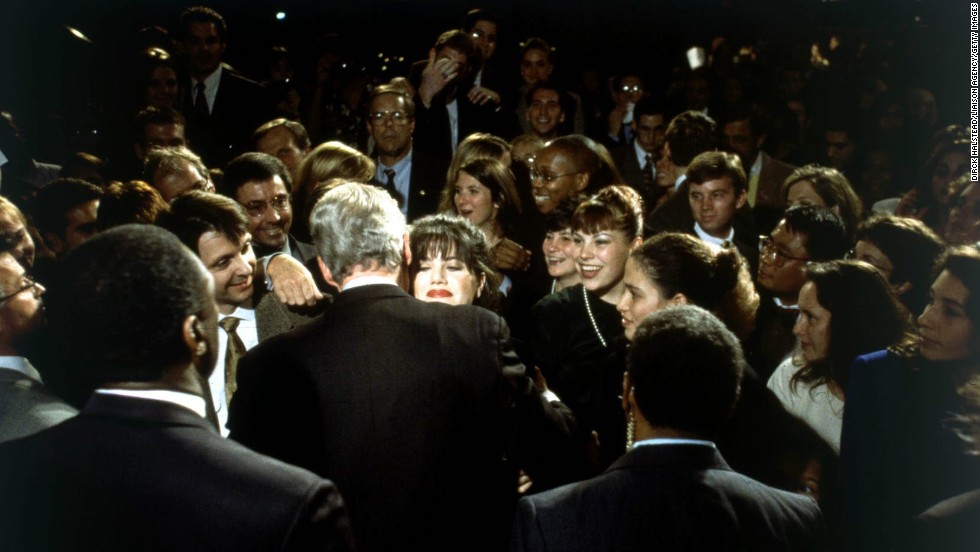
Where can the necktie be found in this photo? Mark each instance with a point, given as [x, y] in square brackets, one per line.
[201, 102]
[390, 187]
[235, 351]
[647, 172]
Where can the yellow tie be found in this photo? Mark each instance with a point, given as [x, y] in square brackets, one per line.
[235, 351]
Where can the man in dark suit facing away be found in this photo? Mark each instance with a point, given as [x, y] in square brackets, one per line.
[672, 490]
[140, 468]
[410, 406]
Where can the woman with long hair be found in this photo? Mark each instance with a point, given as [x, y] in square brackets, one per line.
[900, 447]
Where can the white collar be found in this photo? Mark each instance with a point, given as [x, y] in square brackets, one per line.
[194, 403]
[757, 165]
[680, 180]
[211, 81]
[782, 305]
[711, 240]
[667, 441]
[20, 364]
[641, 154]
[361, 281]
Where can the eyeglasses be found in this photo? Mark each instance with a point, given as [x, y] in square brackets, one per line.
[549, 178]
[634, 89]
[397, 118]
[768, 250]
[29, 284]
[279, 203]
[480, 34]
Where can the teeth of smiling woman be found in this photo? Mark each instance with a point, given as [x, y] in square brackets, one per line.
[540, 198]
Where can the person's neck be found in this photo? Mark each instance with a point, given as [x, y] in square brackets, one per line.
[228, 308]
[643, 431]
[8, 349]
[390, 160]
[613, 294]
[382, 273]
[567, 281]
[183, 379]
[199, 77]
[493, 232]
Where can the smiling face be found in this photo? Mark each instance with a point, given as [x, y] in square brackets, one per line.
[560, 254]
[813, 325]
[602, 261]
[535, 67]
[474, 202]
[161, 90]
[231, 264]
[556, 177]
[446, 280]
[713, 204]
[545, 113]
[269, 214]
[641, 297]
[945, 329]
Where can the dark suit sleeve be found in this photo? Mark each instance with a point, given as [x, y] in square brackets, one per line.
[321, 523]
[525, 535]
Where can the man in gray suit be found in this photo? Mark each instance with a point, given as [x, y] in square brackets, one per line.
[26, 405]
[216, 228]
[673, 490]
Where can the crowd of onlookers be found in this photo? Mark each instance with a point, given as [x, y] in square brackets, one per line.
[696, 299]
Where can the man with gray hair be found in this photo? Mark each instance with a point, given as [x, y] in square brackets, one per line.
[419, 411]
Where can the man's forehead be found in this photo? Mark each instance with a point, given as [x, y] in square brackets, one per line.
[545, 95]
[713, 184]
[391, 99]
[201, 28]
[273, 185]
[740, 126]
[786, 236]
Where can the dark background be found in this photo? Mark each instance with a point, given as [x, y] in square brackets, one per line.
[60, 87]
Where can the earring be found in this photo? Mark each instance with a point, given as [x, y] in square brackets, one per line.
[630, 430]
[202, 348]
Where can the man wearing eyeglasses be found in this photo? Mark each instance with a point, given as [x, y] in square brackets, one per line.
[628, 90]
[26, 406]
[805, 234]
[412, 178]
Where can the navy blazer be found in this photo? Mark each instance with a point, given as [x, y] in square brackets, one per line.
[667, 497]
[138, 474]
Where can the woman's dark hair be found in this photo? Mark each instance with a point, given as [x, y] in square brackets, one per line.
[912, 247]
[680, 263]
[560, 218]
[964, 263]
[453, 236]
[864, 317]
[503, 191]
[612, 208]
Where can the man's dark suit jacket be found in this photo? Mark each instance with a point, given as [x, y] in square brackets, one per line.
[769, 200]
[425, 184]
[667, 497]
[137, 474]
[239, 108]
[409, 406]
[26, 406]
[632, 172]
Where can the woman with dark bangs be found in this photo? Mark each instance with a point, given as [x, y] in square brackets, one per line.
[451, 263]
[576, 332]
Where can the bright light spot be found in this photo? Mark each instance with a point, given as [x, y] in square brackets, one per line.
[400, 58]
[380, 55]
[387, 60]
[384, 67]
[78, 34]
[280, 15]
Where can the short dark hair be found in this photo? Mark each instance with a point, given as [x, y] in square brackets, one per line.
[913, 249]
[714, 165]
[560, 218]
[648, 106]
[251, 167]
[686, 369]
[195, 213]
[202, 14]
[52, 203]
[155, 116]
[546, 85]
[119, 305]
[451, 235]
[826, 236]
[756, 116]
[299, 132]
[133, 202]
[689, 134]
[475, 15]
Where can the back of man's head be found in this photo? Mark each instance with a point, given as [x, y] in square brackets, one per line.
[686, 369]
[826, 235]
[54, 201]
[196, 213]
[155, 116]
[689, 134]
[357, 224]
[252, 167]
[119, 306]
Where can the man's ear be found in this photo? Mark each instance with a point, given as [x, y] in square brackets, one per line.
[192, 334]
[406, 250]
[581, 182]
[742, 198]
[902, 288]
[679, 299]
[327, 275]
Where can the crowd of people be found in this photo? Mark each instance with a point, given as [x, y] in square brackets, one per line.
[449, 310]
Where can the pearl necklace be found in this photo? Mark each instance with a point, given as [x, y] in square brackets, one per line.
[588, 309]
